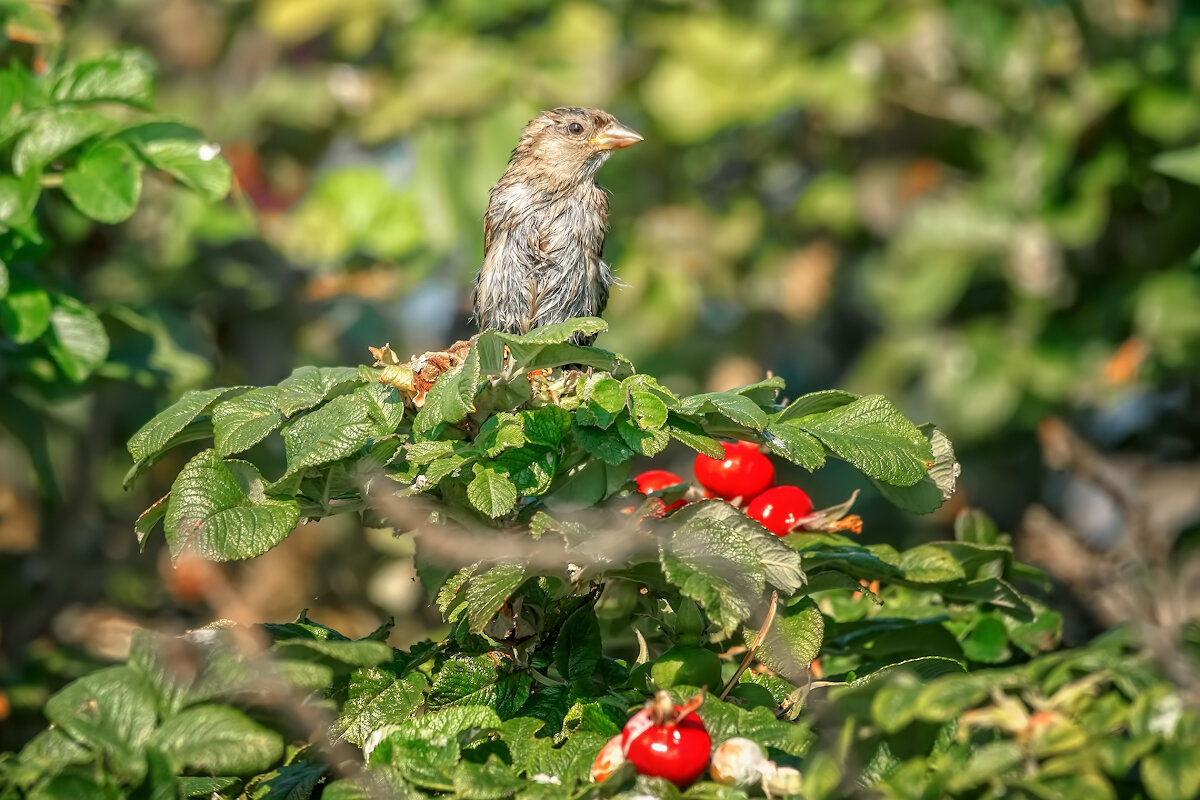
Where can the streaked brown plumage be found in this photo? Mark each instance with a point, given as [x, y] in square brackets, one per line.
[545, 225]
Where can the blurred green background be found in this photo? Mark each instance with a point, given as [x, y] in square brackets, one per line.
[959, 204]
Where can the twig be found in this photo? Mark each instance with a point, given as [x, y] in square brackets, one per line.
[758, 640]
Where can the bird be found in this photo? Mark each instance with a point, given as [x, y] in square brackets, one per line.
[545, 225]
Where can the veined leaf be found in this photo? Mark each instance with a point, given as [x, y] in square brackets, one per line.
[874, 436]
[105, 183]
[489, 590]
[54, 132]
[491, 492]
[934, 488]
[732, 406]
[152, 437]
[125, 75]
[77, 340]
[245, 420]
[218, 510]
[712, 564]
[793, 640]
[220, 739]
[816, 403]
[308, 386]
[332, 432]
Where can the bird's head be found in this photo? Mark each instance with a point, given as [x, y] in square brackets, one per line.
[565, 146]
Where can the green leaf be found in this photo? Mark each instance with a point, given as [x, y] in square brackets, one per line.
[499, 433]
[764, 392]
[730, 405]
[874, 436]
[559, 332]
[647, 443]
[421, 762]
[484, 680]
[336, 652]
[853, 560]
[1040, 635]
[199, 429]
[816, 403]
[710, 562]
[377, 697]
[1173, 773]
[545, 426]
[218, 510]
[789, 439]
[105, 182]
[949, 696]
[491, 492]
[929, 563]
[25, 310]
[185, 154]
[218, 739]
[547, 356]
[692, 435]
[308, 386]
[492, 780]
[18, 198]
[204, 787]
[607, 394]
[54, 132]
[894, 704]
[793, 640]
[295, 781]
[125, 75]
[245, 420]
[488, 591]
[781, 564]
[54, 749]
[153, 437]
[452, 396]
[577, 650]
[987, 761]
[111, 710]
[975, 527]
[936, 487]
[647, 409]
[340, 428]
[1181, 164]
[987, 641]
[926, 668]
[994, 592]
[607, 445]
[76, 340]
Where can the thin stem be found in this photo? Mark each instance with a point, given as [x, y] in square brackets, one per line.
[758, 640]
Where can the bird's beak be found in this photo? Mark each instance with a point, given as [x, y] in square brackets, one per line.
[614, 137]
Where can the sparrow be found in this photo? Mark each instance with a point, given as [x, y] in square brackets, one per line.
[545, 225]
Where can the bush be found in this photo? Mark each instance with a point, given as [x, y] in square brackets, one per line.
[561, 586]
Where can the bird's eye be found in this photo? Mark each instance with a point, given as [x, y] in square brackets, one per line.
[575, 127]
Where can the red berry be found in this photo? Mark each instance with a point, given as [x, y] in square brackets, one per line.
[779, 509]
[745, 472]
[656, 479]
[675, 748]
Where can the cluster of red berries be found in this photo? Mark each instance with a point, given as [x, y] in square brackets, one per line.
[670, 741]
[746, 476]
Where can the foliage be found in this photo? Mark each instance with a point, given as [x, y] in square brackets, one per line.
[517, 460]
[82, 128]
